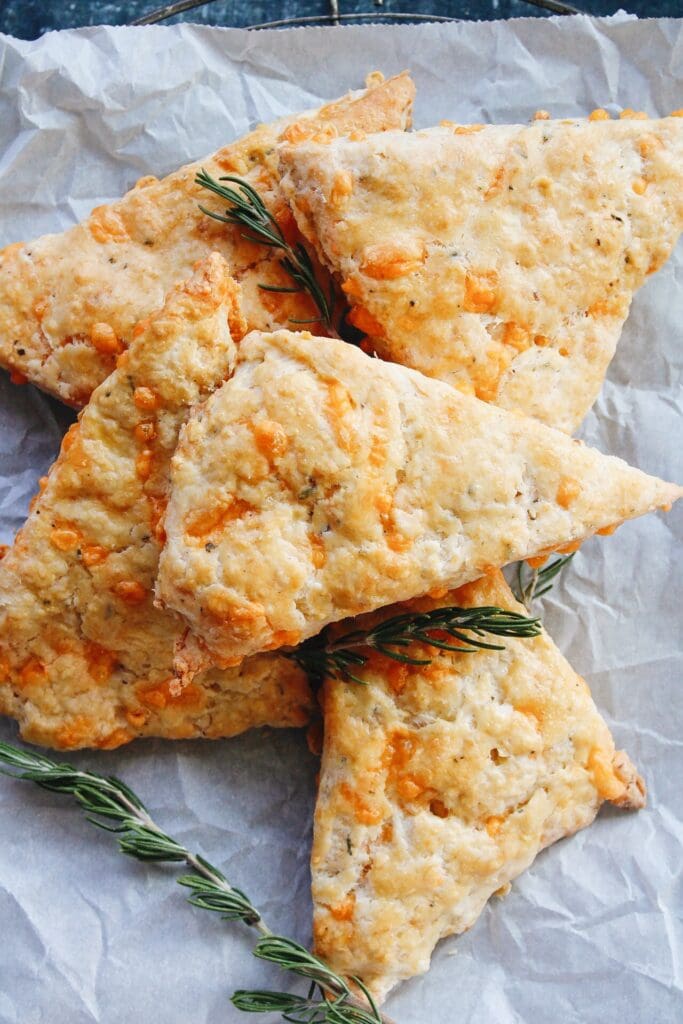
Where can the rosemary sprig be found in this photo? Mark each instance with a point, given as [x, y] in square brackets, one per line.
[248, 211]
[111, 805]
[533, 583]
[339, 658]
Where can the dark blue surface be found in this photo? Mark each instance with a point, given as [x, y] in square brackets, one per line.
[29, 18]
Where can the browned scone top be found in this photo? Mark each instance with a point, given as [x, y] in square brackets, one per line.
[85, 657]
[319, 483]
[499, 258]
[69, 302]
[441, 783]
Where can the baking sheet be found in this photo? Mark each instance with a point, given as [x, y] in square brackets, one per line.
[593, 932]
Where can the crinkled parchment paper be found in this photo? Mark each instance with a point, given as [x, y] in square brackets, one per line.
[593, 932]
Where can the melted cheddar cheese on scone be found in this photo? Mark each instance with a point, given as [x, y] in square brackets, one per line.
[85, 657]
[318, 483]
[441, 783]
[499, 258]
[69, 302]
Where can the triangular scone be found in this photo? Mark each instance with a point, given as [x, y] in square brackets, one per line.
[502, 258]
[319, 483]
[85, 657]
[69, 302]
[439, 785]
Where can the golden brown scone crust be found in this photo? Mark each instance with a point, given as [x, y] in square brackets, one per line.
[439, 785]
[85, 657]
[69, 302]
[503, 258]
[319, 483]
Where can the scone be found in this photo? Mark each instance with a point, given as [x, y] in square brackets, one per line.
[69, 302]
[440, 784]
[503, 258]
[318, 483]
[85, 657]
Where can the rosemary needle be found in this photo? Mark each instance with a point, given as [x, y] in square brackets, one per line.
[533, 583]
[248, 211]
[111, 805]
[463, 628]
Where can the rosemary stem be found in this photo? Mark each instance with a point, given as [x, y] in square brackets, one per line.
[195, 863]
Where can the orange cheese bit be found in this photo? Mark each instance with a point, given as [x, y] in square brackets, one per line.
[359, 317]
[33, 672]
[676, 113]
[344, 911]
[75, 734]
[409, 788]
[4, 668]
[283, 638]
[93, 554]
[607, 531]
[137, 719]
[639, 186]
[531, 708]
[386, 261]
[497, 183]
[481, 294]
[364, 813]
[271, 439]
[608, 785]
[516, 336]
[114, 739]
[469, 129]
[143, 464]
[145, 432]
[103, 338]
[599, 115]
[204, 521]
[633, 115]
[318, 551]
[341, 188]
[394, 538]
[311, 131]
[146, 399]
[352, 286]
[648, 146]
[65, 538]
[158, 696]
[537, 561]
[106, 225]
[541, 340]
[541, 115]
[494, 824]
[100, 662]
[567, 491]
[130, 591]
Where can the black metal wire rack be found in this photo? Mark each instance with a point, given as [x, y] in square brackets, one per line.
[334, 16]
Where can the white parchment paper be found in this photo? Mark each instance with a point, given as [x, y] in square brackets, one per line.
[594, 931]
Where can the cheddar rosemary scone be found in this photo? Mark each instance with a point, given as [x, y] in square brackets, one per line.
[441, 783]
[85, 657]
[501, 259]
[69, 302]
[318, 483]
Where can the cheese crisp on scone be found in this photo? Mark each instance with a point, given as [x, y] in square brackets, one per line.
[440, 784]
[319, 483]
[69, 302]
[503, 258]
[85, 657]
